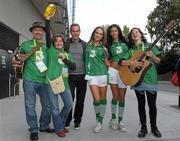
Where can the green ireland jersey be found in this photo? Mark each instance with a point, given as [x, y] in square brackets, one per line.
[95, 60]
[31, 71]
[56, 67]
[151, 74]
[119, 51]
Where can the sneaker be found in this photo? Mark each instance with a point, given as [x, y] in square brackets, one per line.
[67, 127]
[122, 127]
[34, 136]
[113, 124]
[77, 126]
[98, 128]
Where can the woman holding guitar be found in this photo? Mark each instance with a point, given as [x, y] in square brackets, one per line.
[118, 49]
[148, 86]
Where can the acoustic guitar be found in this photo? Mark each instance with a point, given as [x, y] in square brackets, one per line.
[133, 76]
[21, 58]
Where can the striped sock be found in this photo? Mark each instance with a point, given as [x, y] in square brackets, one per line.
[114, 103]
[96, 109]
[103, 104]
[120, 111]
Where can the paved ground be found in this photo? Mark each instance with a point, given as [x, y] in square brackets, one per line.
[13, 125]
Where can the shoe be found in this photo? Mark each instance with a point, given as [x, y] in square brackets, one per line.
[98, 128]
[122, 127]
[156, 132]
[34, 136]
[77, 126]
[113, 124]
[67, 127]
[48, 130]
[142, 133]
[61, 134]
[66, 130]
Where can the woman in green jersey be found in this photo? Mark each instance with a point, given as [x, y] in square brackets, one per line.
[148, 87]
[118, 48]
[96, 73]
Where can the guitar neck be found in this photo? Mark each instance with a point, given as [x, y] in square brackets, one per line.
[153, 44]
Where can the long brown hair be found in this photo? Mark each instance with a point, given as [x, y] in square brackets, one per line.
[92, 35]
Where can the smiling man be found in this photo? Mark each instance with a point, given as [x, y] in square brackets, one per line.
[34, 81]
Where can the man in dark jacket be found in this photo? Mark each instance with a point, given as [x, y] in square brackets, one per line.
[76, 47]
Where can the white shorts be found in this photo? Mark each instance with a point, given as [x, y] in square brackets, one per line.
[100, 81]
[114, 78]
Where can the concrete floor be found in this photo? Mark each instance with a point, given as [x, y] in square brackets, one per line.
[13, 125]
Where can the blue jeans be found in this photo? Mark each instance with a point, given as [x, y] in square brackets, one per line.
[30, 90]
[59, 117]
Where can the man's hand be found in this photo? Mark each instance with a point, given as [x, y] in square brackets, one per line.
[15, 60]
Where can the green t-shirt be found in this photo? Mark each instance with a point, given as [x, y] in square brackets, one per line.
[56, 67]
[31, 71]
[119, 51]
[95, 60]
[151, 74]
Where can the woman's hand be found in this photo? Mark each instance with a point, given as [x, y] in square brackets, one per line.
[153, 56]
[62, 56]
[136, 64]
[150, 54]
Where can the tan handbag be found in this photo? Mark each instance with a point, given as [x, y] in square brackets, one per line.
[57, 85]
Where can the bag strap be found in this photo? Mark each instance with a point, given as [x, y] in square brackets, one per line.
[49, 79]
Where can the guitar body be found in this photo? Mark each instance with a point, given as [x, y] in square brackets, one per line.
[22, 58]
[133, 76]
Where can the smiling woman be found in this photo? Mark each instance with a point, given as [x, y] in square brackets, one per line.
[148, 88]
[96, 62]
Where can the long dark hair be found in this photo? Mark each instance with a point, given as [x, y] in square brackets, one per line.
[143, 38]
[110, 39]
[92, 35]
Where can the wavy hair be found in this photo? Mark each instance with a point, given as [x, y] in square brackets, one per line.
[143, 38]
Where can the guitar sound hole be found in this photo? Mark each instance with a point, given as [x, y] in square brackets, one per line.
[131, 69]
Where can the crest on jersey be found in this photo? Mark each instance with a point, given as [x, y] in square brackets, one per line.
[118, 50]
[92, 53]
